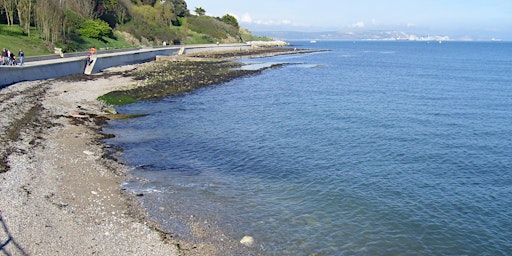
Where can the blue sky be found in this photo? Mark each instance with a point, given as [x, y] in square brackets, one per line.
[491, 18]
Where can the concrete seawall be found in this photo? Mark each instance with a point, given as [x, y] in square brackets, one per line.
[54, 68]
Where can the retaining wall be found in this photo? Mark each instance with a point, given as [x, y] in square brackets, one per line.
[55, 68]
[11, 75]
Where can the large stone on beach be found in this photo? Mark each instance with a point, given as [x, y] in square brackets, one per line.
[247, 241]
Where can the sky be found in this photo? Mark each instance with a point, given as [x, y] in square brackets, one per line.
[477, 18]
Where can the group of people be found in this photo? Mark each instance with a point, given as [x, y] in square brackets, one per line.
[8, 58]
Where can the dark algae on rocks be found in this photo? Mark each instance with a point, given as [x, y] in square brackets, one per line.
[162, 79]
[182, 74]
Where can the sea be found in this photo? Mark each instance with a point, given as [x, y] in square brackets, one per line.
[367, 148]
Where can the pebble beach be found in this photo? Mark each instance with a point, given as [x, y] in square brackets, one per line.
[59, 196]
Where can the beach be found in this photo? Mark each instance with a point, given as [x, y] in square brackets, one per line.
[61, 193]
[60, 197]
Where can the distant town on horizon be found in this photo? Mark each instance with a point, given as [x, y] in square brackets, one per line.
[378, 35]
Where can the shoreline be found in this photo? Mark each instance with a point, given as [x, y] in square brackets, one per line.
[61, 194]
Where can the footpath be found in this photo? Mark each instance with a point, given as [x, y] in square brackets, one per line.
[52, 67]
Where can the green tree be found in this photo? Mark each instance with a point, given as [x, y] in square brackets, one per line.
[50, 19]
[24, 8]
[149, 2]
[180, 8]
[145, 13]
[231, 20]
[73, 22]
[200, 11]
[86, 8]
[9, 9]
[164, 12]
[114, 11]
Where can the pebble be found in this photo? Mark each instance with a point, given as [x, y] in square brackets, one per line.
[87, 152]
[247, 241]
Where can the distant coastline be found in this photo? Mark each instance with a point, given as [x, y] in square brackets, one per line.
[372, 35]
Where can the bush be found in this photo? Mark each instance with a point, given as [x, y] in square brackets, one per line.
[230, 20]
[73, 21]
[95, 29]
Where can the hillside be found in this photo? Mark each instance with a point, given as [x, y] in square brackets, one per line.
[77, 25]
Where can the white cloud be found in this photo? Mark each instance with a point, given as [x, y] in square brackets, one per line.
[272, 22]
[246, 17]
[359, 24]
[286, 22]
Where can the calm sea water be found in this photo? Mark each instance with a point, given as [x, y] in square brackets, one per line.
[372, 148]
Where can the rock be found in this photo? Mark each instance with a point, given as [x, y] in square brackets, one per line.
[87, 152]
[247, 241]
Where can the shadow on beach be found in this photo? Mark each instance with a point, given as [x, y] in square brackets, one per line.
[8, 244]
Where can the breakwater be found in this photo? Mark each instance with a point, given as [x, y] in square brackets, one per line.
[54, 68]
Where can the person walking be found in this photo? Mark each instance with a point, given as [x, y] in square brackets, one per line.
[12, 58]
[9, 60]
[4, 56]
[21, 55]
[88, 59]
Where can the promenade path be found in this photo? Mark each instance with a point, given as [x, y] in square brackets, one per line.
[53, 66]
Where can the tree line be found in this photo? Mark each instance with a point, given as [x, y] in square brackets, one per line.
[62, 21]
